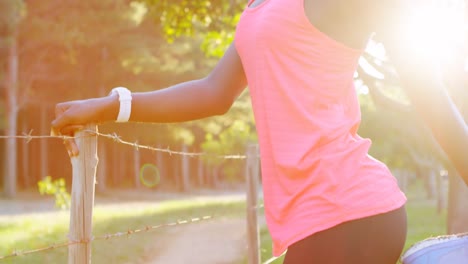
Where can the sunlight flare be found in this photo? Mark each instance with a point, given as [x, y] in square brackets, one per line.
[438, 29]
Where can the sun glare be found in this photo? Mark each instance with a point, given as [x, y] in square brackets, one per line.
[437, 29]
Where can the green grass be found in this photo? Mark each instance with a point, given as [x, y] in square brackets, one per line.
[423, 219]
[43, 229]
[423, 222]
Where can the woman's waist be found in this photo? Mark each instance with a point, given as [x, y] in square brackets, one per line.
[297, 146]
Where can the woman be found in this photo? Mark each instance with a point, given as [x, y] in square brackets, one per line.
[326, 199]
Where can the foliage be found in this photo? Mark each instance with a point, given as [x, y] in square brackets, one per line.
[56, 188]
[229, 135]
[400, 138]
[77, 49]
[214, 20]
[80, 49]
[11, 15]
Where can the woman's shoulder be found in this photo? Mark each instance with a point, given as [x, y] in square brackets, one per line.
[348, 21]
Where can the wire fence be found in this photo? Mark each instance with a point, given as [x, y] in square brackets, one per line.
[116, 138]
[127, 233]
[252, 207]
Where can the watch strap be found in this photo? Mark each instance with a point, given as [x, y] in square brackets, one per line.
[125, 100]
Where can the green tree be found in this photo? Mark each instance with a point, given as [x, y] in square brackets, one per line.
[215, 20]
[11, 15]
[58, 51]
[72, 50]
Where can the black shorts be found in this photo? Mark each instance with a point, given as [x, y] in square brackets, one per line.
[377, 239]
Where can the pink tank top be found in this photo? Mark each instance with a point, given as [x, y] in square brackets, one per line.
[316, 171]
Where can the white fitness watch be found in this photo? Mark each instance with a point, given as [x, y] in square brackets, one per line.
[125, 99]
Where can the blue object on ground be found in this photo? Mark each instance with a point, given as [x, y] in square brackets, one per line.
[440, 250]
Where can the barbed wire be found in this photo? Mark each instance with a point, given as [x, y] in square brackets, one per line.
[29, 136]
[130, 232]
[136, 145]
[116, 138]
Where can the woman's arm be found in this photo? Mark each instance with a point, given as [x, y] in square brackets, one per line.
[422, 81]
[212, 95]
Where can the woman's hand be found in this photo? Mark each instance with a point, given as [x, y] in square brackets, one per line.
[74, 115]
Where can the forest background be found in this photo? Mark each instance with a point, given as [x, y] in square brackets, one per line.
[53, 51]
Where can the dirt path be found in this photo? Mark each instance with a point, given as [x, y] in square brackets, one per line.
[218, 241]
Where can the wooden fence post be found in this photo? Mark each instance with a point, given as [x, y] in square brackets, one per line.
[252, 173]
[82, 196]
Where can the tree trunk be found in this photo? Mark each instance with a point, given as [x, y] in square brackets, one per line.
[102, 169]
[43, 143]
[200, 172]
[136, 167]
[442, 191]
[25, 158]
[115, 164]
[160, 165]
[175, 162]
[457, 221]
[11, 123]
[457, 218]
[185, 170]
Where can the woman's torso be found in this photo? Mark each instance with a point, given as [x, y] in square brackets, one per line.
[300, 57]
